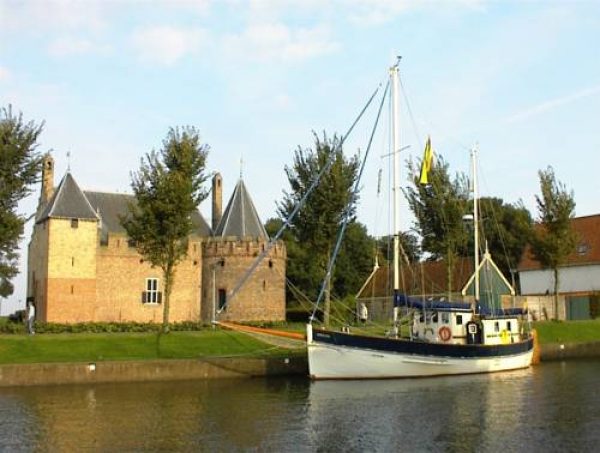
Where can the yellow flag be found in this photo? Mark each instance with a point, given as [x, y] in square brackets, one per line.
[426, 162]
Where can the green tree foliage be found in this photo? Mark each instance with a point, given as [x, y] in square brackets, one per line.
[20, 166]
[316, 225]
[168, 187]
[506, 228]
[554, 239]
[409, 247]
[355, 260]
[439, 208]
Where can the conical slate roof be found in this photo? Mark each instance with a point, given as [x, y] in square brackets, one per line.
[240, 218]
[68, 201]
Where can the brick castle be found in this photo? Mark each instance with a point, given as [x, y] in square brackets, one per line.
[82, 267]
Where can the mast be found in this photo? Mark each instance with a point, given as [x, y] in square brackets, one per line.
[475, 222]
[396, 188]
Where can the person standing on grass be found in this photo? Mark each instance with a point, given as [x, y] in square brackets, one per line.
[30, 317]
[363, 313]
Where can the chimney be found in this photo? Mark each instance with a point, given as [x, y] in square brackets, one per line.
[217, 200]
[47, 179]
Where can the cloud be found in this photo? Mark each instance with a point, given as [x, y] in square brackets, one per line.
[552, 104]
[4, 74]
[278, 42]
[71, 45]
[35, 15]
[166, 45]
[375, 12]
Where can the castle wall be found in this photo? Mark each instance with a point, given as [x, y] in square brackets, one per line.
[261, 298]
[71, 285]
[121, 281]
[37, 268]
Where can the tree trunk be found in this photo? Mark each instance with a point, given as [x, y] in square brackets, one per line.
[327, 303]
[168, 276]
[449, 267]
[556, 286]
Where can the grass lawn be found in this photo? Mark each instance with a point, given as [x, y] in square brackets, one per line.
[568, 331]
[85, 347]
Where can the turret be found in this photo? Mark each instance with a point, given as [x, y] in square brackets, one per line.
[217, 200]
[47, 179]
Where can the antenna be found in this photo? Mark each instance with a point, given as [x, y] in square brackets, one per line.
[69, 161]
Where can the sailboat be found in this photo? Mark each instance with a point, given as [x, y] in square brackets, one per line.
[447, 338]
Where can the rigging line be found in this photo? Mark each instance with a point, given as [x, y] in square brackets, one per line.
[287, 222]
[497, 225]
[352, 201]
[410, 112]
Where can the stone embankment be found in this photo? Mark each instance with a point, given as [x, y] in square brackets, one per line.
[150, 370]
[206, 368]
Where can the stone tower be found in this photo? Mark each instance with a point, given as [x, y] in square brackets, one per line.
[217, 200]
[238, 240]
[47, 179]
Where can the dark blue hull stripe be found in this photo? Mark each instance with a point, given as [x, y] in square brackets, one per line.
[472, 351]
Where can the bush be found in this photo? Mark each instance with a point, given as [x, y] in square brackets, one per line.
[100, 327]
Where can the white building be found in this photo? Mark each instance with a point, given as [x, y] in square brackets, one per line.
[579, 277]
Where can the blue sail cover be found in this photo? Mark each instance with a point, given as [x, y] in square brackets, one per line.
[502, 311]
[402, 300]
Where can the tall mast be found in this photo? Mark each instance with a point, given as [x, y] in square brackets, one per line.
[396, 189]
[475, 221]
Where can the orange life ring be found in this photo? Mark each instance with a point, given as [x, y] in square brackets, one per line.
[445, 333]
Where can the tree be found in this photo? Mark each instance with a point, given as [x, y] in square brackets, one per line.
[355, 260]
[554, 239]
[318, 221]
[168, 187]
[409, 248]
[506, 228]
[438, 209]
[20, 167]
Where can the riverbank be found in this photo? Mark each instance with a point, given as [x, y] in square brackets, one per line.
[212, 353]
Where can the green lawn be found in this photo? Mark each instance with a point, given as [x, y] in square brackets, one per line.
[568, 331]
[85, 347]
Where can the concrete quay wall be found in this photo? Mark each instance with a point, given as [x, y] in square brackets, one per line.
[149, 370]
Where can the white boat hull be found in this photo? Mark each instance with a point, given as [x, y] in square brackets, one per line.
[327, 361]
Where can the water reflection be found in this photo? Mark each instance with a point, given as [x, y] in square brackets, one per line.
[554, 406]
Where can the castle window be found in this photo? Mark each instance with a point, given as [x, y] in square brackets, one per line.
[152, 295]
[72, 289]
[222, 299]
[72, 261]
[74, 223]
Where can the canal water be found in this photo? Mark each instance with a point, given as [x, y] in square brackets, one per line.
[551, 407]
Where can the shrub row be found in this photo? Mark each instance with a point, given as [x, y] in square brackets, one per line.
[99, 327]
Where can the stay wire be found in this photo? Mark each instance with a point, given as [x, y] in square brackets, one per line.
[352, 201]
[299, 205]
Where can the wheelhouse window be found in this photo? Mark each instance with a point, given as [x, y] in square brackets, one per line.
[496, 326]
[445, 317]
[459, 320]
[152, 293]
[508, 326]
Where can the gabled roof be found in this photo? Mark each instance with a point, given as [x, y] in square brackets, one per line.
[240, 218]
[429, 277]
[110, 206]
[587, 250]
[68, 201]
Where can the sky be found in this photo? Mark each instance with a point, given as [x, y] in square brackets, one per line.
[519, 79]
